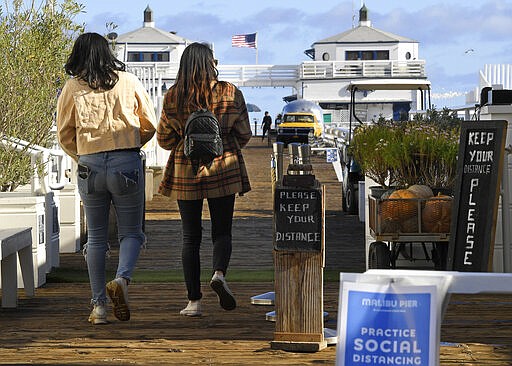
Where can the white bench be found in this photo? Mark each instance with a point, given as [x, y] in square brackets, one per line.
[16, 243]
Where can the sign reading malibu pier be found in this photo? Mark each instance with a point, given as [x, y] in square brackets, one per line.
[479, 168]
[387, 325]
[298, 219]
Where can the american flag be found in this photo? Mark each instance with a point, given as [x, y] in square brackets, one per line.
[244, 40]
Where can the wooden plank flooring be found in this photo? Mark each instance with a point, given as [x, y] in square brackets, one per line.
[52, 327]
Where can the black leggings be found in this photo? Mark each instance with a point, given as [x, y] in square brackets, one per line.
[221, 214]
[265, 129]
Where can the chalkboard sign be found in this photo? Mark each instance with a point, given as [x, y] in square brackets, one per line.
[479, 169]
[298, 219]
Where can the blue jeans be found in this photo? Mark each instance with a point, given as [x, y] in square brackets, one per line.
[115, 177]
[221, 216]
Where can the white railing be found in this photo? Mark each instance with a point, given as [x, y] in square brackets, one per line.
[358, 69]
[260, 75]
[54, 161]
[288, 75]
[337, 134]
[241, 75]
[167, 70]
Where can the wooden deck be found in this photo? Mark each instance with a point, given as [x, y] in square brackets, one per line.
[52, 328]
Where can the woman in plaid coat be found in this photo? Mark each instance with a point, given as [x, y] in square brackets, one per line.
[197, 87]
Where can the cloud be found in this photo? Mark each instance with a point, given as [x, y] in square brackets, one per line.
[445, 23]
[447, 95]
[284, 33]
[125, 21]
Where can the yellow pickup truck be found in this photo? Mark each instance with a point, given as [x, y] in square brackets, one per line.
[301, 119]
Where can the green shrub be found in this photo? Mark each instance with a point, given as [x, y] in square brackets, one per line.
[36, 40]
[421, 151]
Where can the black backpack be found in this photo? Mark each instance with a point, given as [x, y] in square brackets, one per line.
[203, 141]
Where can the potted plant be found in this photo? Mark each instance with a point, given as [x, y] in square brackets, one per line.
[441, 147]
[423, 153]
[416, 157]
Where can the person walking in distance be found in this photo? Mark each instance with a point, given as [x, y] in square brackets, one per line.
[266, 124]
[104, 117]
[278, 119]
[197, 88]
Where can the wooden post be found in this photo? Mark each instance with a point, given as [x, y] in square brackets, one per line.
[298, 263]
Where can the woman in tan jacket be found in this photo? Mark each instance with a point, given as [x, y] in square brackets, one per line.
[104, 116]
[197, 88]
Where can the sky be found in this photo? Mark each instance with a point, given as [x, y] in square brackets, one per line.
[457, 38]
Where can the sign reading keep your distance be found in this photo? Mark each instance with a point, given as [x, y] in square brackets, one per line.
[298, 219]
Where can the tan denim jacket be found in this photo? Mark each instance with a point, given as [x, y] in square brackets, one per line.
[90, 121]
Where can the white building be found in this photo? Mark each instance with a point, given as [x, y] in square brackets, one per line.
[368, 54]
[152, 54]
[149, 44]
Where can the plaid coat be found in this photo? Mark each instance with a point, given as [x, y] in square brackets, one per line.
[227, 173]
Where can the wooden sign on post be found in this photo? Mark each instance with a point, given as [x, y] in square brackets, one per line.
[479, 167]
[299, 261]
[298, 219]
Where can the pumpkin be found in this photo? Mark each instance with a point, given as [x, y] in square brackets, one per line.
[421, 191]
[387, 194]
[401, 205]
[389, 226]
[409, 225]
[437, 214]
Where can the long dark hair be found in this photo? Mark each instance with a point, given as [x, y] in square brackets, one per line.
[92, 61]
[197, 70]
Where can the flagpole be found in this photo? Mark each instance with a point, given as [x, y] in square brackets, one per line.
[256, 45]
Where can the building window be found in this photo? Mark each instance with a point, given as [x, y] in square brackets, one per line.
[148, 56]
[352, 55]
[381, 55]
[366, 55]
[326, 56]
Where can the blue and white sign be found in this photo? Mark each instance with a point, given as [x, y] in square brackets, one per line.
[331, 155]
[387, 324]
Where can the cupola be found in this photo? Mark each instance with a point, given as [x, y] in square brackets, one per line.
[148, 18]
[363, 17]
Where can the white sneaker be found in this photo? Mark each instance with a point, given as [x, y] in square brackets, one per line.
[193, 309]
[117, 290]
[98, 315]
[226, 298]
